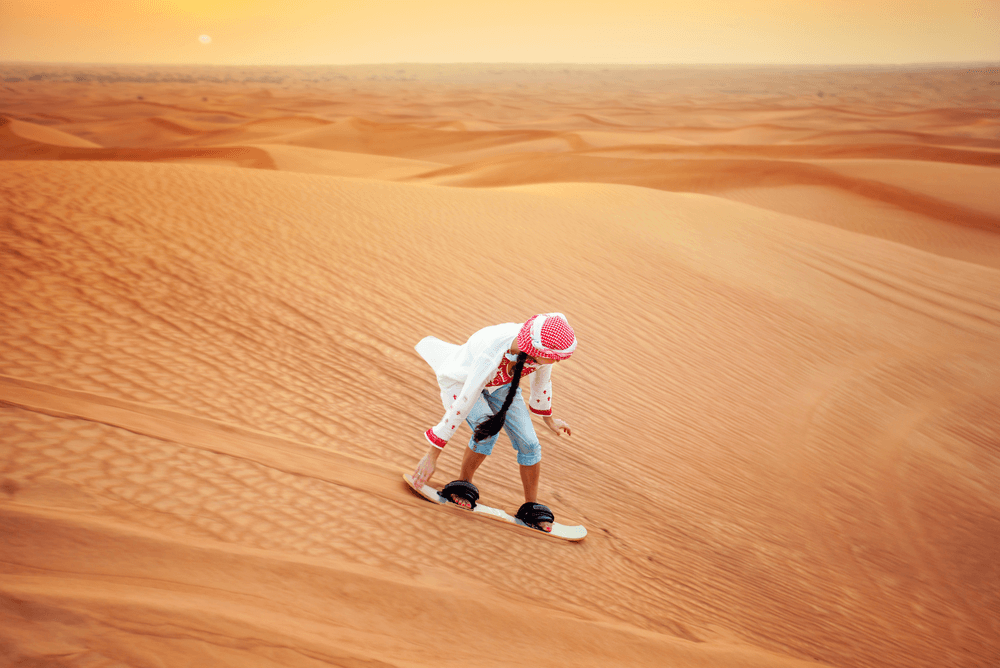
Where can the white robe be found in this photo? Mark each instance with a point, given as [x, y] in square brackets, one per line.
[464, 371]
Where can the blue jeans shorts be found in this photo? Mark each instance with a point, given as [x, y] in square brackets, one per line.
[517, 425]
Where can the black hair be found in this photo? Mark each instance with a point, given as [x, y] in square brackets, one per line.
[492, 425]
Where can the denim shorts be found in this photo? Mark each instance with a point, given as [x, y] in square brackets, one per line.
[517, 425]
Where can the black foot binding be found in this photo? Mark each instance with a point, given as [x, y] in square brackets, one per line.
[461, 489]
[533, 513]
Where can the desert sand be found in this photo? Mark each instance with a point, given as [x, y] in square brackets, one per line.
[785, 402]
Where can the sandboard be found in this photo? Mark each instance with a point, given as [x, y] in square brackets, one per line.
[561, 531]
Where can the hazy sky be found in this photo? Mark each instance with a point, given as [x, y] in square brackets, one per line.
[540, 31]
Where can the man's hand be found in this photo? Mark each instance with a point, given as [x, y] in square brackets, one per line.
[557, 426]
[425, 468]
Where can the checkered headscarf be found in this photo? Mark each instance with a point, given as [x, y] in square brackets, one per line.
[547, 335]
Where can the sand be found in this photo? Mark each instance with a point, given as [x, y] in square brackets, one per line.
[785, 402]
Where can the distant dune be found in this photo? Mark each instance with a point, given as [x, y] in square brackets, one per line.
[785, 402]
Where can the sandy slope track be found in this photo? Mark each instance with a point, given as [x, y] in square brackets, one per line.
[208, 435]
[161, 604]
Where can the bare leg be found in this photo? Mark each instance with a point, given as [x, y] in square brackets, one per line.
[470, 462]
[529, 478]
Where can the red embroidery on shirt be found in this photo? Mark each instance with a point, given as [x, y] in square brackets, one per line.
[505, 372]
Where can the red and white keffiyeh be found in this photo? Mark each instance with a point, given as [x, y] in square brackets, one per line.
[547, 335]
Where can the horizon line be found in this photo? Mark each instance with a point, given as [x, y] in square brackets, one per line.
[938, 63]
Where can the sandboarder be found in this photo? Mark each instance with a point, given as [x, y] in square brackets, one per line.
[479, 383]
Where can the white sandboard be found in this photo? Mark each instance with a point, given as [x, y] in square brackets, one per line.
[562, 531]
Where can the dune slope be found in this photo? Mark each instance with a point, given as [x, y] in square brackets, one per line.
[266, 304]
[785, 403]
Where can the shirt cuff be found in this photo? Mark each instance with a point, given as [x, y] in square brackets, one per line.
[536, 411]
[435, 441]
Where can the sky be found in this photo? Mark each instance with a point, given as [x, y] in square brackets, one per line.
[280, 32]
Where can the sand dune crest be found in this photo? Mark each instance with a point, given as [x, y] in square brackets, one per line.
[14, 133]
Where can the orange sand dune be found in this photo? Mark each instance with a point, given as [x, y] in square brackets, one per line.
[338, 163]
[958, 185]
[785, 402]
[706, 176]
[14, 134]
[258, 130]
[146, 132]
[901, 137]
[18, 144]
[409, 141]
[858, 213]
[815, 151]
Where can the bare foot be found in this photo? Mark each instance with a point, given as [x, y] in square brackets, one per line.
[464, 503]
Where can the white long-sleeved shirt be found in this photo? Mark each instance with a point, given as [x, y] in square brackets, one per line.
[464, 371]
